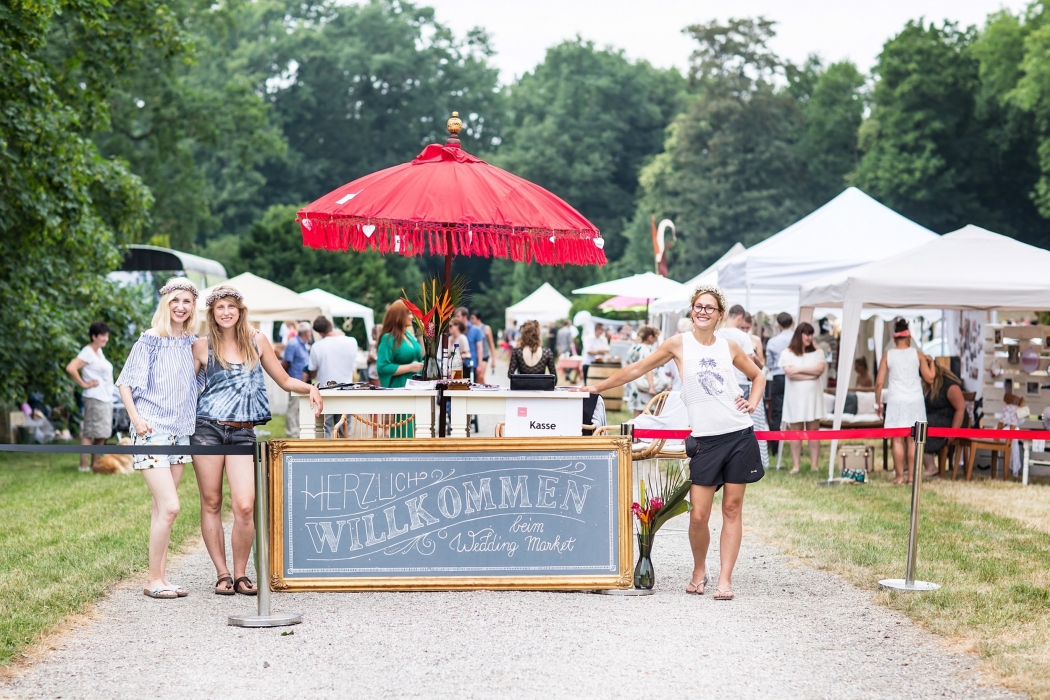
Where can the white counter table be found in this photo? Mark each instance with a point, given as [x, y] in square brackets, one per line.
[364, 402]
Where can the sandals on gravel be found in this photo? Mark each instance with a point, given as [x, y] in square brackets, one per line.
[698, 588]
[225, 578]
[181, 592]
[162, 592]
[723, 595]
[248, 588]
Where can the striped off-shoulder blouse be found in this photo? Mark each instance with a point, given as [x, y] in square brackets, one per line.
[163, 386]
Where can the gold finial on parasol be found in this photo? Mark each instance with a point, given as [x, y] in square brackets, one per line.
[454, 126]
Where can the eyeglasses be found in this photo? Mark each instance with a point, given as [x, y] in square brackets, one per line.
[704, 310]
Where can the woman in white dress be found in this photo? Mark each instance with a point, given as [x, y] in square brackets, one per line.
[803, 365]
[899, 376]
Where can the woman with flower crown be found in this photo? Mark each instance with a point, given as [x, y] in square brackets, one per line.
[159, 391]
[723, 450]
[233, 401]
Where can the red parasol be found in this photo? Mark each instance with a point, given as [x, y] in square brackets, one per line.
[448, 202]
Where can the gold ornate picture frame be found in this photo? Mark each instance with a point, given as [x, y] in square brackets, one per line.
[525, 532]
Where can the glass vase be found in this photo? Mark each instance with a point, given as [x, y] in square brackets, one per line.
[431, 368]
[644, 574]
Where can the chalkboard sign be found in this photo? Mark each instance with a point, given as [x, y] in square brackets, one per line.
[440, 514]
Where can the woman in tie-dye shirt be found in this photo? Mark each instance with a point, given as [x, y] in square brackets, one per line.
[233, 401]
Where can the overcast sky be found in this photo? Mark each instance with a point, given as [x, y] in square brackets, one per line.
[522, 30]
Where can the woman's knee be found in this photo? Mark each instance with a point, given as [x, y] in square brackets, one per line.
[244, 508]
[731, 508]
[211, 502]
[699, 516]
[167, 511]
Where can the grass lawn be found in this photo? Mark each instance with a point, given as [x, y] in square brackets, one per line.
[987, 543]
[66, 536]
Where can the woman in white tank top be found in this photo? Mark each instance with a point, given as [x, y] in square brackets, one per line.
[723, 449]
[898, 382]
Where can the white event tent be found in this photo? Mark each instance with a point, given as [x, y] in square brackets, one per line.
[969, 269]
[546, 305]
[647, 285]
[343, 308]
[849, 231]
[269, 301]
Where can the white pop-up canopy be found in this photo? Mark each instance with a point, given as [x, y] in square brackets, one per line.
[849, 231]
[647, 285]
[971, 268]
[343, 308]
[546, 305]
[269, 301]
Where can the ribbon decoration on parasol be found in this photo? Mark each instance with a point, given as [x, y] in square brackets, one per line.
[449, 202]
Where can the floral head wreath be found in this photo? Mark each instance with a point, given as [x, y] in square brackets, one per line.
[176, 284]
[221, 293]
[713, 290]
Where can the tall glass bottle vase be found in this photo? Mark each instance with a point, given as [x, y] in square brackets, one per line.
[644, 574]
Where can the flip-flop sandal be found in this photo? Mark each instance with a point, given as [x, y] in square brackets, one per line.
[237, 586]
[181, 592]
[722, 595]
[162, 592]
[225, 578]
[698, 588]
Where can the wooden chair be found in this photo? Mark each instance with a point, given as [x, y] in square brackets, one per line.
[996, 447]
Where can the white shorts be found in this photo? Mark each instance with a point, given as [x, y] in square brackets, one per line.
[160, 461]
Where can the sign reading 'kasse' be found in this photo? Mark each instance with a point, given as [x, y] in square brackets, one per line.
[448, 514]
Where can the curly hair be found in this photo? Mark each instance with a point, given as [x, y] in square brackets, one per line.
[530, 336]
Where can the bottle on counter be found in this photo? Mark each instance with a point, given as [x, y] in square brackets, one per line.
[456, 365]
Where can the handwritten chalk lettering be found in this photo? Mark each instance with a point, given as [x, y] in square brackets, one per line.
[439, 514]
[445, 496]
[557, 545]
[546, 491]
[473, 497]
[485, 540]
[525, 526]
[519, 493]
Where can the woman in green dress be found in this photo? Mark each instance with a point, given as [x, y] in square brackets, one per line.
[398, 357]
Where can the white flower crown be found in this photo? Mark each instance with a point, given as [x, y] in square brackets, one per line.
[222, 293]
[176, 284]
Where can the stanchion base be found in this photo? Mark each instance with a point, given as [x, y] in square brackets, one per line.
[899, 584]
[277, 619]
[625, 591]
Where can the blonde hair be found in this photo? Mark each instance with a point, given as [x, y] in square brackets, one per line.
[242, 331]
[162, 316]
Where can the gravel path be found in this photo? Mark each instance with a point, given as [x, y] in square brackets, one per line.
[791, 632]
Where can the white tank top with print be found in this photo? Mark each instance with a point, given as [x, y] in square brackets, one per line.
[709, 388]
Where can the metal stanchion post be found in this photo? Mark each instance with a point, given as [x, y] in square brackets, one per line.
[264, 617]
[908, 583]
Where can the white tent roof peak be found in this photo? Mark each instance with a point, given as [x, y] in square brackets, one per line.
[647, 285]
[343, 308]
[546, 305]
[269, 301]
[851, 230]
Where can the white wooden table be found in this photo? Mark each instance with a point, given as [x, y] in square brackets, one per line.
[364, 402]
[466, 403]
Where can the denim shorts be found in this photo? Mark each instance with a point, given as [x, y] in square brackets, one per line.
[209, 432]
[160, 461]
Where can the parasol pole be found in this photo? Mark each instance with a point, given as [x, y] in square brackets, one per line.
[454, 126]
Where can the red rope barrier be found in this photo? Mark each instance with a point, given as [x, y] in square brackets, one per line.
[859, 434]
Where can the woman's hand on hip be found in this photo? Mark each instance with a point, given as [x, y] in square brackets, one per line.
[744, 406]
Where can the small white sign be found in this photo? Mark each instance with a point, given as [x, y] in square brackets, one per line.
[543, 418]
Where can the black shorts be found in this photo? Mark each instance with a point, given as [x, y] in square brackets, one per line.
[731, 458]
[209, 432]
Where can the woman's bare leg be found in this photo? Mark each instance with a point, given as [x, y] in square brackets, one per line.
[814, 447]
[910, 464]
[240, 472]
[898, 460]
[796, 448]
[163, 486]
[701, 498]
[209, 482]
[732, 533]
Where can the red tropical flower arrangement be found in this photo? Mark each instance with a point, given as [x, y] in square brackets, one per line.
[431, 313]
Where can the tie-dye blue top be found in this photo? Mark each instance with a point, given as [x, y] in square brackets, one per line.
[233, 395]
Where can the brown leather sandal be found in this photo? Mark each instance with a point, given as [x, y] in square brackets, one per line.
[247, 589]
[225, 578]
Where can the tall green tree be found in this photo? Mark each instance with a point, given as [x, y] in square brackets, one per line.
[581, 124]
[64, 207]
[195, 126]
[760, 144]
